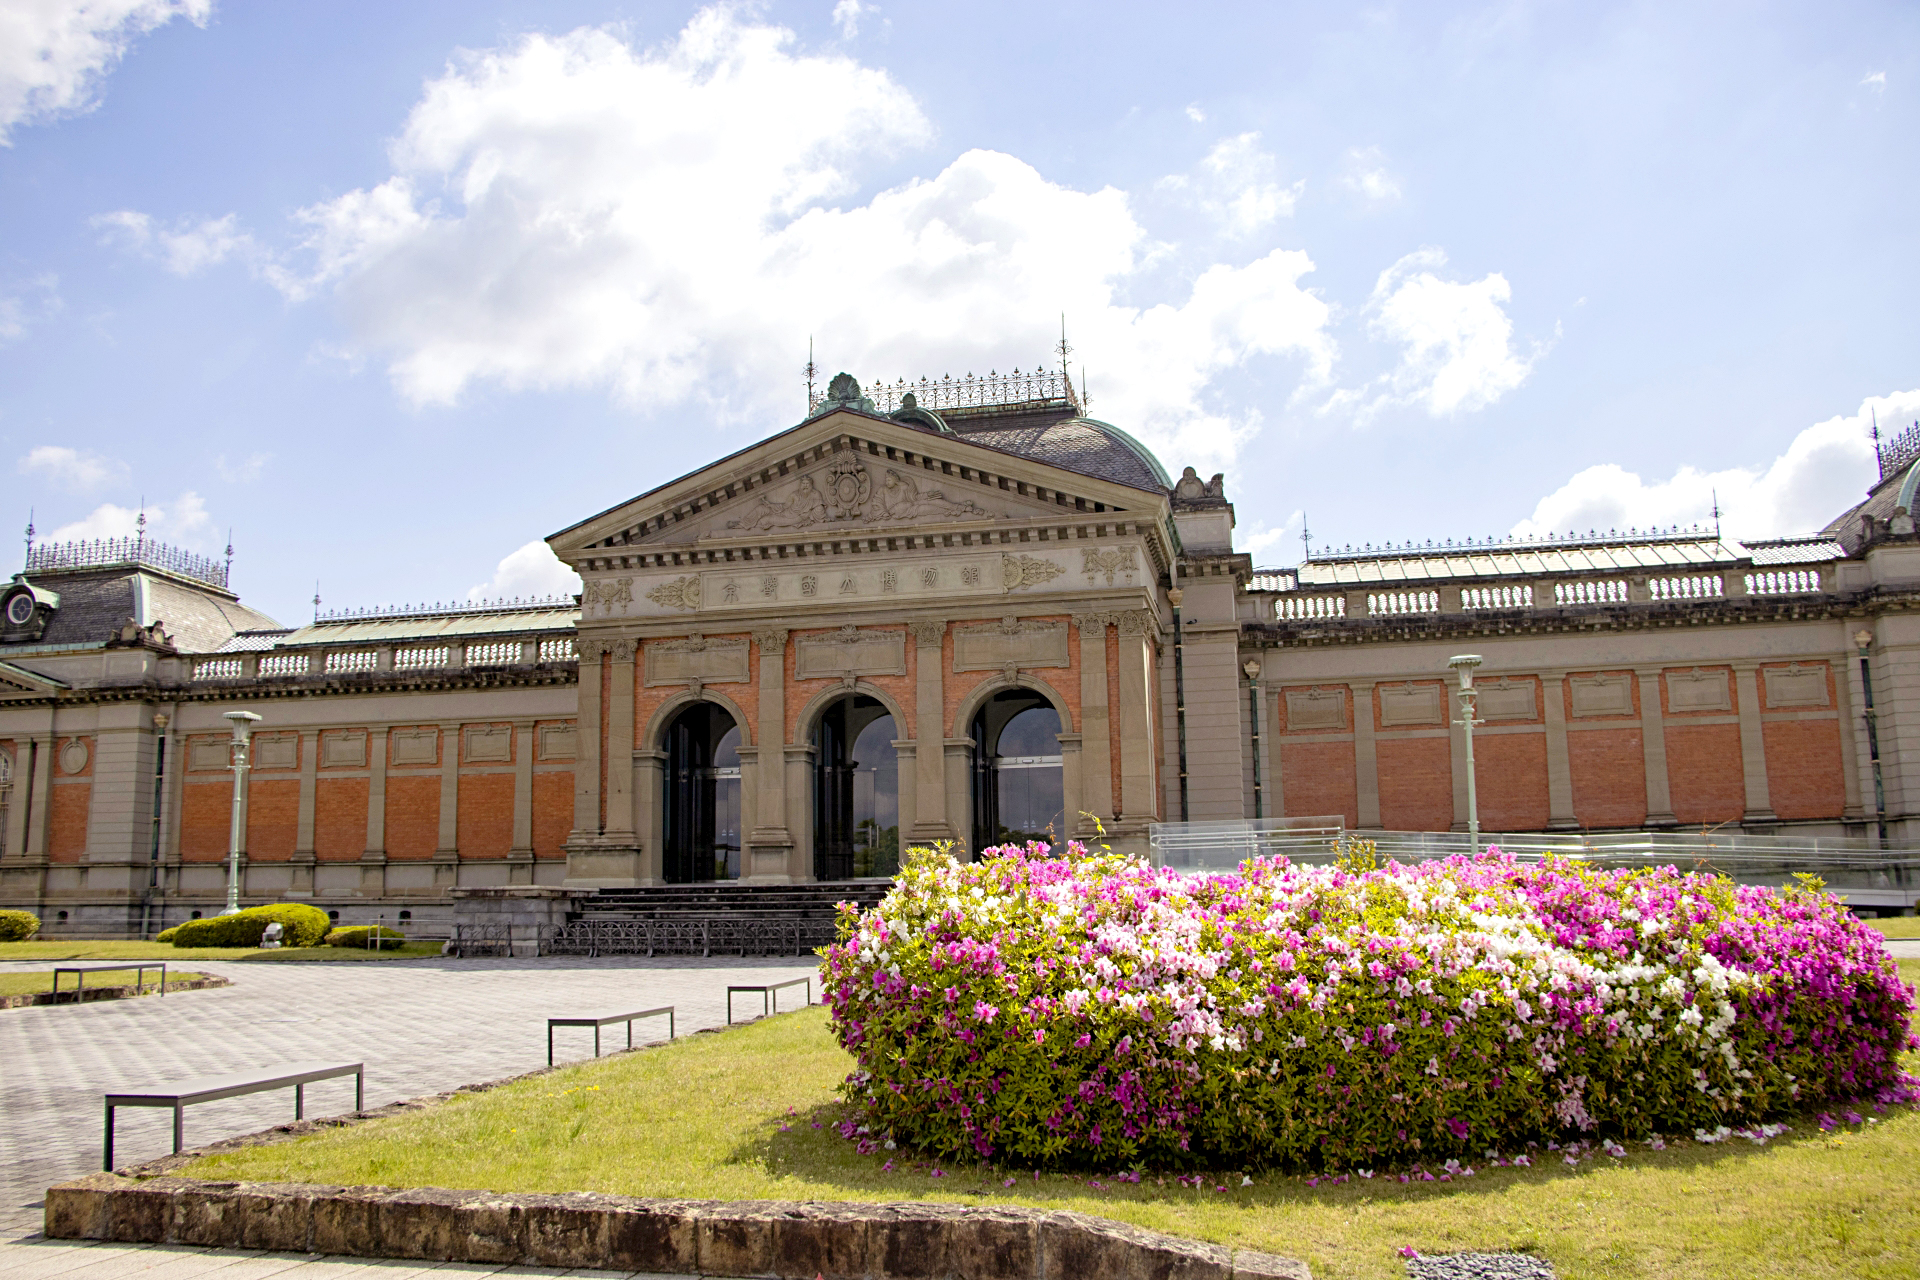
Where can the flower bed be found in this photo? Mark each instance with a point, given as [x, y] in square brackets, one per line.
[1094, 1012]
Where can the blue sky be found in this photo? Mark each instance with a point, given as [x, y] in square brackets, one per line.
[392, 291]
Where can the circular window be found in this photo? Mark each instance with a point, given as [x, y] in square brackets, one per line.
[20, 609]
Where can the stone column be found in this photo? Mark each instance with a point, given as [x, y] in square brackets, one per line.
[1855, 758]
[620, 744]
[957, 759]
[929, 780]
[303, 856]
[40, 791]
[1366, 764]
[373, 861]
[649, 774]
[770, 845]
[1553, 694]
[1753, 745]
[1139, 741]
[520, 855]
[798, 867]
[1071, 783]
[1276, 791]
[586, 764]
[1096, 755]
[1653, 741]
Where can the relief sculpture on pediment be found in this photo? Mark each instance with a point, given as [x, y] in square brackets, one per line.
[901, 499]
[806, 508]
[844, 493]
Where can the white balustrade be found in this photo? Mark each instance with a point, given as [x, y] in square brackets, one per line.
[1388, 604]
[1309, 607]
[421, 657]
[217, 669]
[1697, 586]
[493, 653]
[286, 664]
[1510, 596]
[563, 650]
[353, 660]
[1591, 591]
[1784, 582]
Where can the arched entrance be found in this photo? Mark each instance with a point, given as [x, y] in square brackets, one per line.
[856, 791]
[1019, 784]
[700, 806]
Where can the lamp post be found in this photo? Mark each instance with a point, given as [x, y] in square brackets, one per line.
[1252, 667]
[1863, 640]
[243, 722]
[1174, 596]
[1464, 663]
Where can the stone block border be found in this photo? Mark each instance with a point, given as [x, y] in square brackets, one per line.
[112, 993]
[835, 1241]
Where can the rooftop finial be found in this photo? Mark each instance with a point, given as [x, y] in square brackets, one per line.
[1085, 399]
[1306, 540]
[1064, 351]
[140, 525]
[812, 371]
[229, 553]
[29, 533]
[1716, 514]
[316, 599]
[1878, 461]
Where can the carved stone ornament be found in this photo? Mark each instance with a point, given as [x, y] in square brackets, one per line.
[622, 650]
[1796, 685]
[681, 593]
[1505, 699]
[1092, 623]
[697, 659]
[74, 756]
[1699, 690]
[1017, 571]
[1409, 704]
[850, 651]
[929, 631]
[605, 594]
[592, 650]
[1316, 709]
[1138, 622]
[847, 489]
[1009, 642]
[1109, 561]
[1602, 695]
[845, 492]
[771, 639]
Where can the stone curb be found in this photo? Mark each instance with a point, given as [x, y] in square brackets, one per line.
[771, 1238]
[111, 993]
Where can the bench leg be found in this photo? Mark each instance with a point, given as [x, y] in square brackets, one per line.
[299, 1102]
[360, 1091]
[176, 1128]
[109, 1153]
[669, 1024]
[629, 1033]
[549, 1044]
[596, 1042]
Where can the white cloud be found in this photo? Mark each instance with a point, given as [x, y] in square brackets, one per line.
[570, 211]
[243, 470]
[184, 522]
[1195, 114]
[55, 53]
[1456, 339]
[70, 468]
[846, 16]
[188, 248]
[1825, 470]
[531, 571]
[1270, 542]
[1366, 174]
[19, 312]
[1236, 183]
[1877, 81]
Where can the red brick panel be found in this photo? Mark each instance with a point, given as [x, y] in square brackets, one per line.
[1804, 776]
[67, 832]
[1510, 779]
[1609, 768]
[1416, 783]
[1318, 778]
[205, 812]
[485, 820]
[1704, 775]
[413, 815]
[340, 819]
[552, 814]
[273, 818]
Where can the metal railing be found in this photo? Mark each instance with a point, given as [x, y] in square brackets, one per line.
[970, 392]
[104, 553]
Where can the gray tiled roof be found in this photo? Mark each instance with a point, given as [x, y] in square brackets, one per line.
[95, 605]
[1073, 444]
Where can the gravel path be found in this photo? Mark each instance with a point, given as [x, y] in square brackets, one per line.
[1479, 1266]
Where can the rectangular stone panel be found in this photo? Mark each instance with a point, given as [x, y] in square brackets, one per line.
[344, 750]
[1316, 709]
[558, 742]
[1795, 686]
[1409, 704]
[1608, 695]
[207, 753]
[282, 751]
[489, 744]
[696, 658]
[1505, 699]
[850, 651]
[1698, 691]
[1010, 643]
[416, 746]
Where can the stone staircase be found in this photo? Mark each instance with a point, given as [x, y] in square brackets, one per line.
[711, 919]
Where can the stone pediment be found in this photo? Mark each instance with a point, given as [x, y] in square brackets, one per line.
[844, 474]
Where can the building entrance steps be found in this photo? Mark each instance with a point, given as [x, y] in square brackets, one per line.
[710, 919]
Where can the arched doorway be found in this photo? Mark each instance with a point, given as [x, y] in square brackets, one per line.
[1019, 785]
[856, 791]
[701, 805]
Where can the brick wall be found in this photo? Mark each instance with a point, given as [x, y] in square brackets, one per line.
[798, 693]
[552, 812]
[484, 824]
[744, 694]
[1416, 783]
[340, 819]
[204, 815]
[413, 815]
[273, 818]
[1704, 775]
[1510, 780]
[67, 824]
[1804, 774]
[1609, 777]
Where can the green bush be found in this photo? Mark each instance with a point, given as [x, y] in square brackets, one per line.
[302, 926]
[18, 926]
[167, 935]
[362, 935]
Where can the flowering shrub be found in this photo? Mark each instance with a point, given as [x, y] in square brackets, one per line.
[1094, 1011]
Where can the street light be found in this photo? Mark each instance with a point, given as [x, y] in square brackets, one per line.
[1863, 640]
[243, 722]
[1252, 667]
[1464, 663]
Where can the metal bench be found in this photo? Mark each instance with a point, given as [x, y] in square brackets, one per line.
[80, 972]
[769, 995]
[599, 1020]
[213, 1088]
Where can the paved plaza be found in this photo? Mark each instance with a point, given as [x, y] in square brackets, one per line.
[420, 1026]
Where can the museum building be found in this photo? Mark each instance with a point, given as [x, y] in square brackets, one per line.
[958, 611]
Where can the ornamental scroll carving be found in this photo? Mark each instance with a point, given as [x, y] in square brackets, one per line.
[772, 640]
[850, 651]
[1017, 571]
[1138, 622]
[845, 492]
[1109, 561]
[698, 659]
[928, 631]
[606, 594]
[1010, 643]
[681, 593]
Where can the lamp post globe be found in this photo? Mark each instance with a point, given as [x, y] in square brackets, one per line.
[237, 751]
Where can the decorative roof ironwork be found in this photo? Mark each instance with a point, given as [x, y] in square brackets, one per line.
[113, 553]
[452, 608]
[1551, 542]
[1040, 386]
[1896, 454]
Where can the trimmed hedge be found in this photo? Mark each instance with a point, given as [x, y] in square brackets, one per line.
[1092, 1011]
[362, 935]
[18, 926]
[302, 926]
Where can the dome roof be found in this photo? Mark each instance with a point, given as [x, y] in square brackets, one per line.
[1084, 445]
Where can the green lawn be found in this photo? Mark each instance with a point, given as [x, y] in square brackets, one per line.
[748, 1115]
[166, 951]
[1897, 926]
[26, 984]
